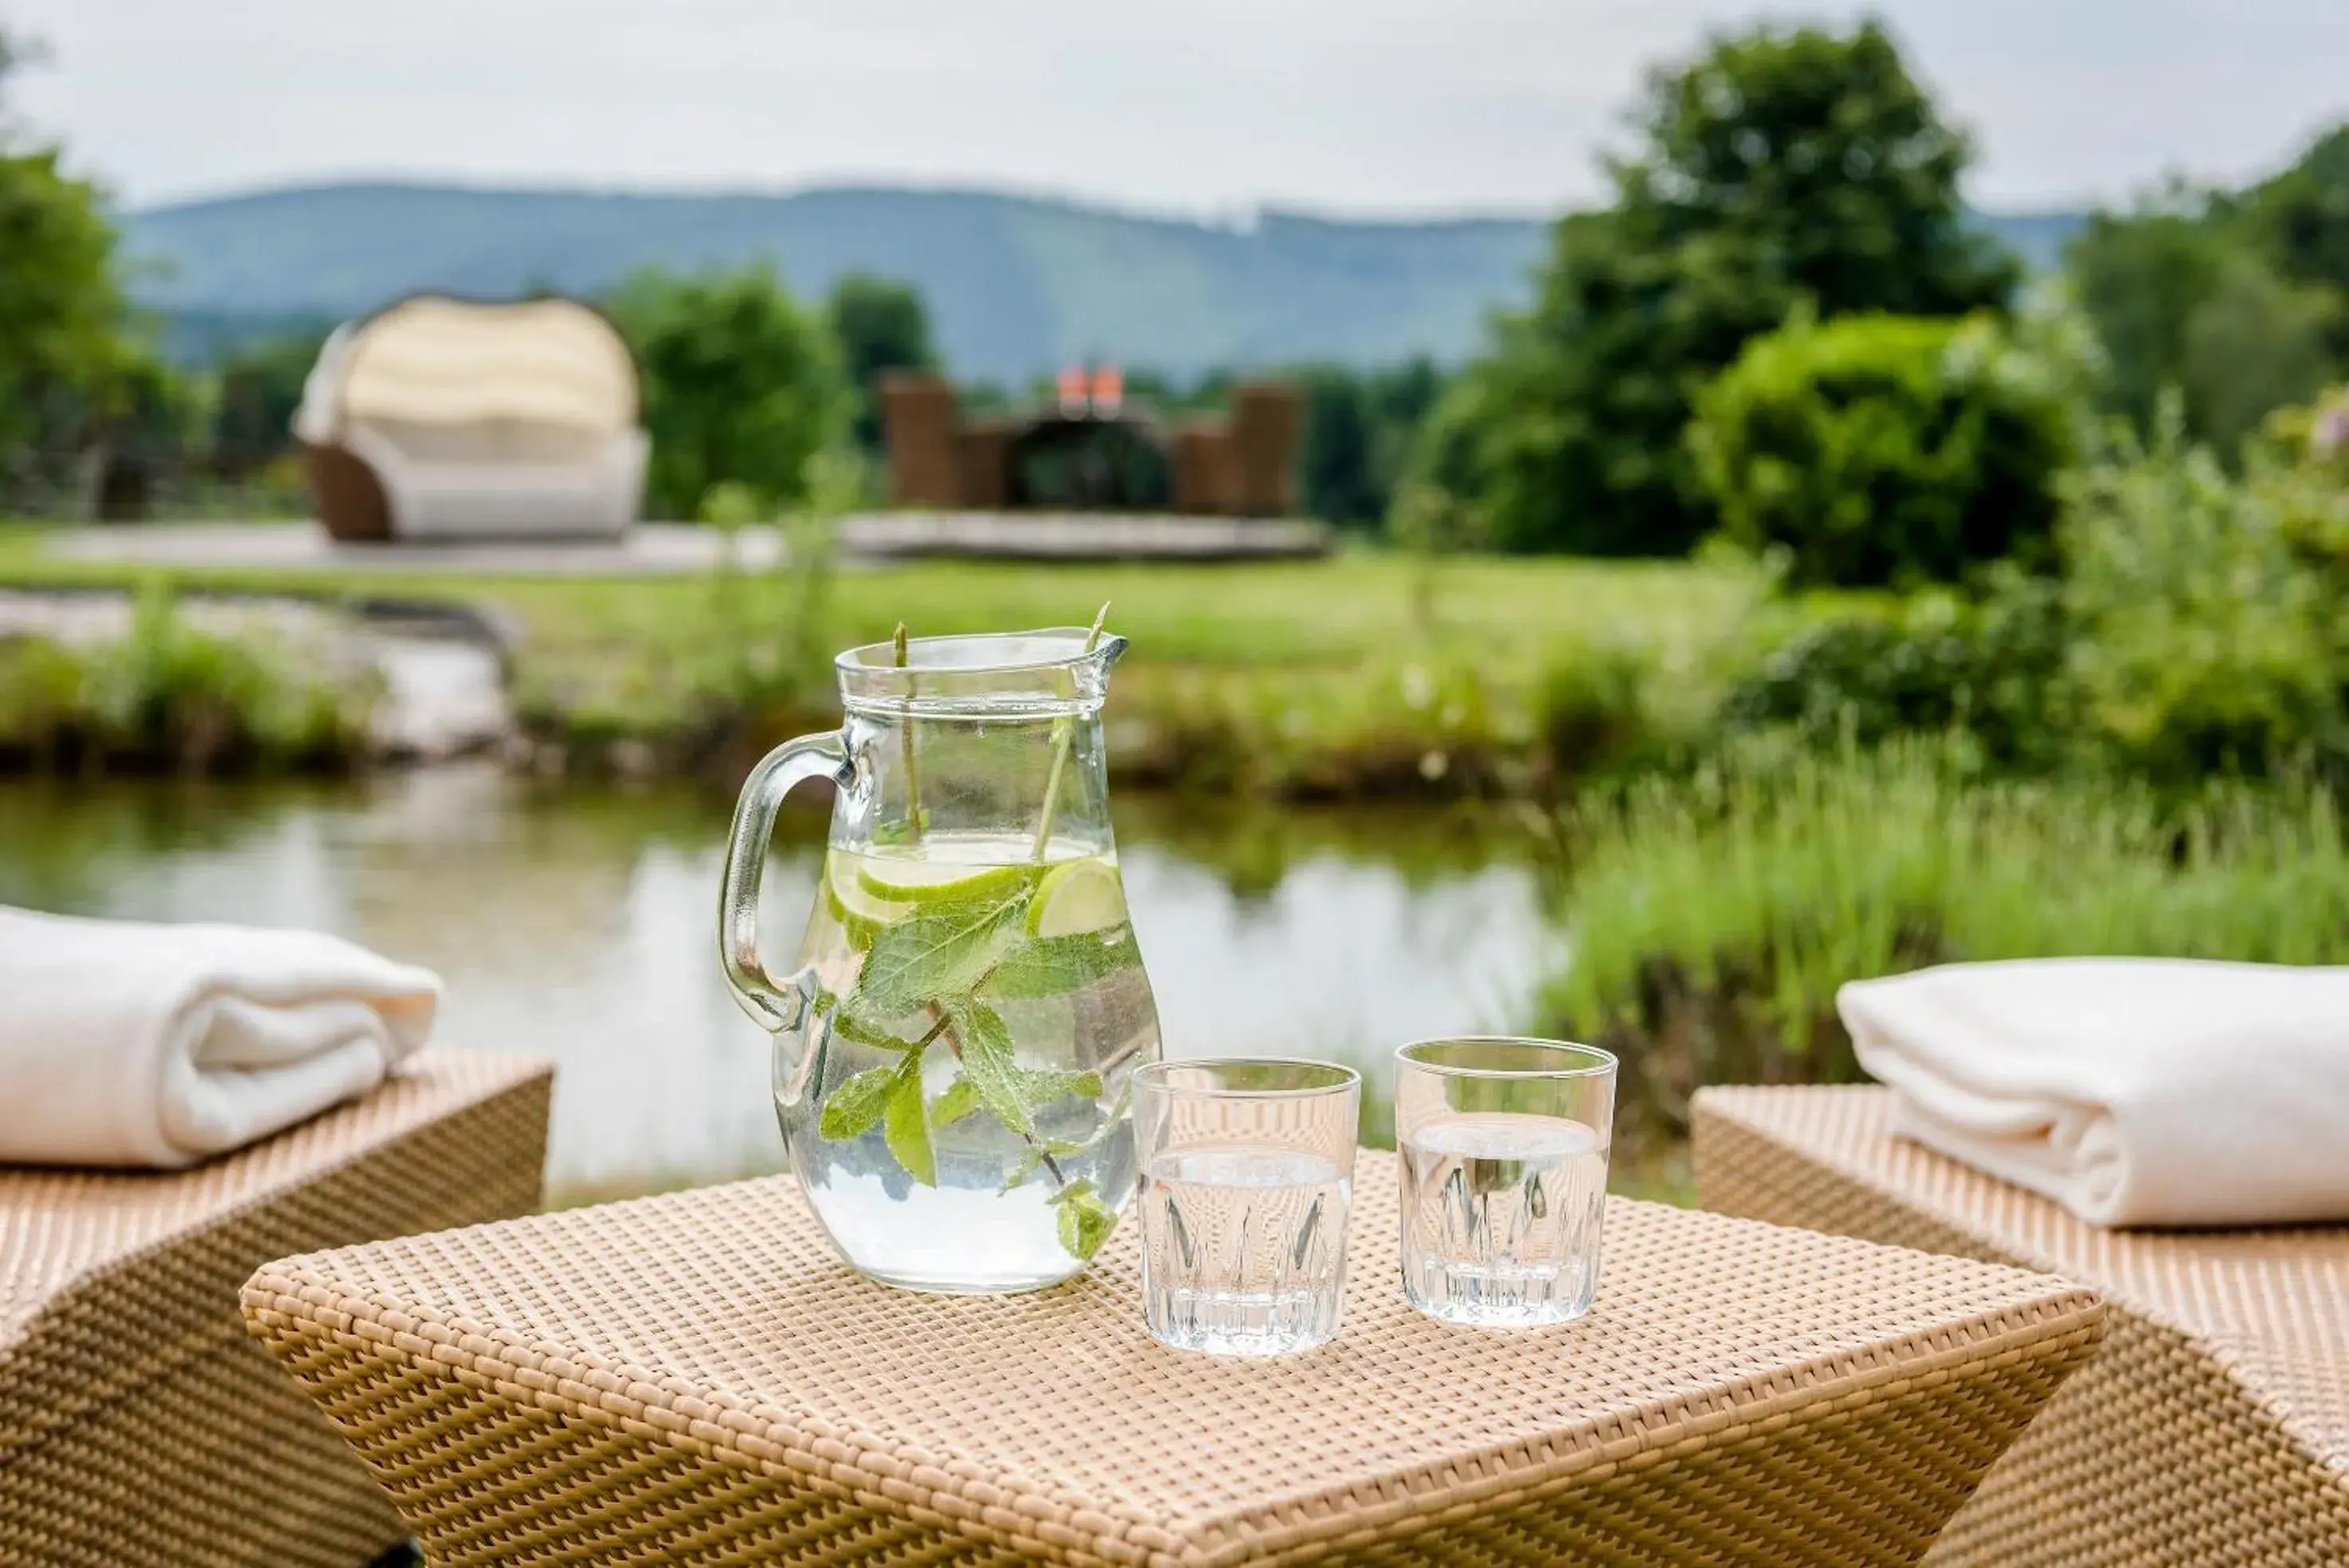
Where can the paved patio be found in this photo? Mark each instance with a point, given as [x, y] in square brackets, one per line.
[659, 549]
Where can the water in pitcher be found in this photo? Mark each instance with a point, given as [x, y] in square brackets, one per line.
[962, 1098]
[1243, 1249]
[1501, 1217]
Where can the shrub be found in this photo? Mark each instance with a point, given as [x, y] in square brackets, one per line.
[1711, 919]
[1881, 448]
[1594, 711]
[171, 695]
[2206, 632]
[1991, 669]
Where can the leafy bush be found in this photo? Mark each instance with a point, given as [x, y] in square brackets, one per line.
[1595, 710]
[1878, 448]
[1710, 919]
[170, 695]
[1932, 664]
[2203, 637]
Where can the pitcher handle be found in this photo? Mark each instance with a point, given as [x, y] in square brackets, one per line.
[776, 1007]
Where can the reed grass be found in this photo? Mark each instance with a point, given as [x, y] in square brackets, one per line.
[1711, 918]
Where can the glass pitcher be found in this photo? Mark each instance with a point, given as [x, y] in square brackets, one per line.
[952, 1054]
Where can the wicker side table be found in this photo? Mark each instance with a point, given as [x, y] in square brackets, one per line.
[138, 1423]
[695, 1378]
[2214, 1427]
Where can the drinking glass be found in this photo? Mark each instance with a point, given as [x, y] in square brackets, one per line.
[1247, 1168]
[1502, 1146]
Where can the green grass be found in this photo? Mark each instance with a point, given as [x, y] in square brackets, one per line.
[1328, 613]
[1359, 675]
[1710, 919]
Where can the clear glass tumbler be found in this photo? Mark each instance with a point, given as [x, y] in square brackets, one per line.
[1502, 1147]
[1248, 1171]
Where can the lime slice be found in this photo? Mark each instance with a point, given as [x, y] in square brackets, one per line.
[1076, 896]
[911, 880]
[860, 913]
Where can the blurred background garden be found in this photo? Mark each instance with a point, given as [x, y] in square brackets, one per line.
[1775, 570]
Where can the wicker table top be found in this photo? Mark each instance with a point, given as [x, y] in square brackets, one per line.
[720, 1324]
[2269, 1304]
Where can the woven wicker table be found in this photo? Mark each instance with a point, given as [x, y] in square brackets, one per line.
[2213, 1429]
[695, 1379]
[138, 1423]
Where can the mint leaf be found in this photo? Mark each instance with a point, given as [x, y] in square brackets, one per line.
[927, 958]
[1030, 1158]
[1040, 1087]
[848, 1026]
[905, 1124]
[1085, 1221]
[989, 1065]
[1055, 966]
[959, 1100]
[854, 1105]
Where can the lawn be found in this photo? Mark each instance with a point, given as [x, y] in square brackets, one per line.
[1331, 612]
[1366, 673]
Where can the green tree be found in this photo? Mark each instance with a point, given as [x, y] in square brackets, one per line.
[1337, 461]
[1782, 166]
[2140, 277]
[2255, 344]
[2239, 302]
[878, 325]
[260, 386]
[2300, 219]
[1360, 430]
[741, 385]
[62, 316]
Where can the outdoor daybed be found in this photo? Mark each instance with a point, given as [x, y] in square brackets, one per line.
[2212, 1428]
[451, 419]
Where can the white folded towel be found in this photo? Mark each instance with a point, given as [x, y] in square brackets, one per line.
[136, 1044]
[2132, 1091]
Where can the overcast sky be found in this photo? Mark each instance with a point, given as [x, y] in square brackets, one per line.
[1210, 107]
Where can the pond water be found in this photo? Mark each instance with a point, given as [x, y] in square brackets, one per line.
[579, 925]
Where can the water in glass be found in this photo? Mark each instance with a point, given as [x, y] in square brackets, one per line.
[1244, 1249]
[1501, 1217]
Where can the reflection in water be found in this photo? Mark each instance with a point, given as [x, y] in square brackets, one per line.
[582, 927]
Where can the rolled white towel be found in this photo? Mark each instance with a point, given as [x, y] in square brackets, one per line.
[123, 1043]
[2132, 1091]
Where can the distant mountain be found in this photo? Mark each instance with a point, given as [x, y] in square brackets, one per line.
[1016, 285]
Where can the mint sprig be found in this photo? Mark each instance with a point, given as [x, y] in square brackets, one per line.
[940, 977]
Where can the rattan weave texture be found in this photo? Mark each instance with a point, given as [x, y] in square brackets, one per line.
[138, 1424]
[2214, 1427]
[695, 1378]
